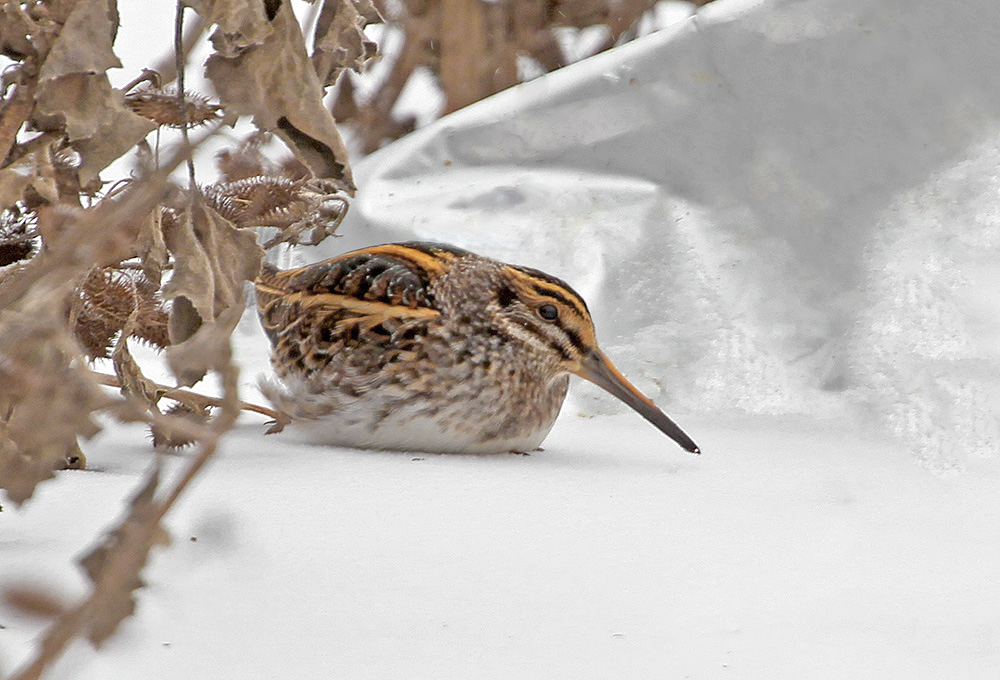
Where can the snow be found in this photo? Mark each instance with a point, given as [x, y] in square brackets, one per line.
[783, 216]
[785, 551]
[773, 207]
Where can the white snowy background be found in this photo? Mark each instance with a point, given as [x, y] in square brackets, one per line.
[784, 217]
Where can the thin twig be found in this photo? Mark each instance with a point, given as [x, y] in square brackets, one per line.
[196, 398]
[181, 57]
[148, 75]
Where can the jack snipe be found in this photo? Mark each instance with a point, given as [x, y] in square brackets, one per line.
[427, 347]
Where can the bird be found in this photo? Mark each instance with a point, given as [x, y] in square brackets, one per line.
[427, 347]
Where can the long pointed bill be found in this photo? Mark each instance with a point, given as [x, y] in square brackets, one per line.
[599, 370]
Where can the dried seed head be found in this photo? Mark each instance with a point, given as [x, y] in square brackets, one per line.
[164, 438]
[264, 200]
[163, 107]
[107, 300]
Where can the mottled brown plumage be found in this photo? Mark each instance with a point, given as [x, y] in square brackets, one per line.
[427, 347]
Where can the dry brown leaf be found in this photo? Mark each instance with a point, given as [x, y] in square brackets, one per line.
[93, 114]
[46, 399]
[193, 280]
[207, 349]
[151, 248]
[114, 565]
[16, 29]
[212, 260]
[84, 44]
[275, 83]
[240, 24]
[47, 396]
[339, 39]
[74, 91]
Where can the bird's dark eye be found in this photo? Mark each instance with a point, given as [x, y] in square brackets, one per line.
[548, 312]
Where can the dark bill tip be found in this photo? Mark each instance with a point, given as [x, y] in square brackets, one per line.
[599, 370]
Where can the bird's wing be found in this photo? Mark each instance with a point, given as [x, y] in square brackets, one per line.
[374, 288]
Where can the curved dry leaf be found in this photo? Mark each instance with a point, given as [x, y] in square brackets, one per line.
[115, 563]
[339, 39]
[276, 83]
[212, 259]
[97, 123]
[84, 43]
[74, 92]
[47, 401]
[193, 277]
[206, 350]
[151, 248]
[241, 23]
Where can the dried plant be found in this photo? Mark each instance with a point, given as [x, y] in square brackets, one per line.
[88, 266]
[164, 437]
[472, 49]
[293, 207]
[165, 107]
[111, 299]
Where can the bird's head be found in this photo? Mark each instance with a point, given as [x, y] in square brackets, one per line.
[547, 315]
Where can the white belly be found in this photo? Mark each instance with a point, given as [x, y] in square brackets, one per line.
[405, 432]
[364, 424]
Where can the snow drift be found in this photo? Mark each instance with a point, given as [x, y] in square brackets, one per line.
[776, 207]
